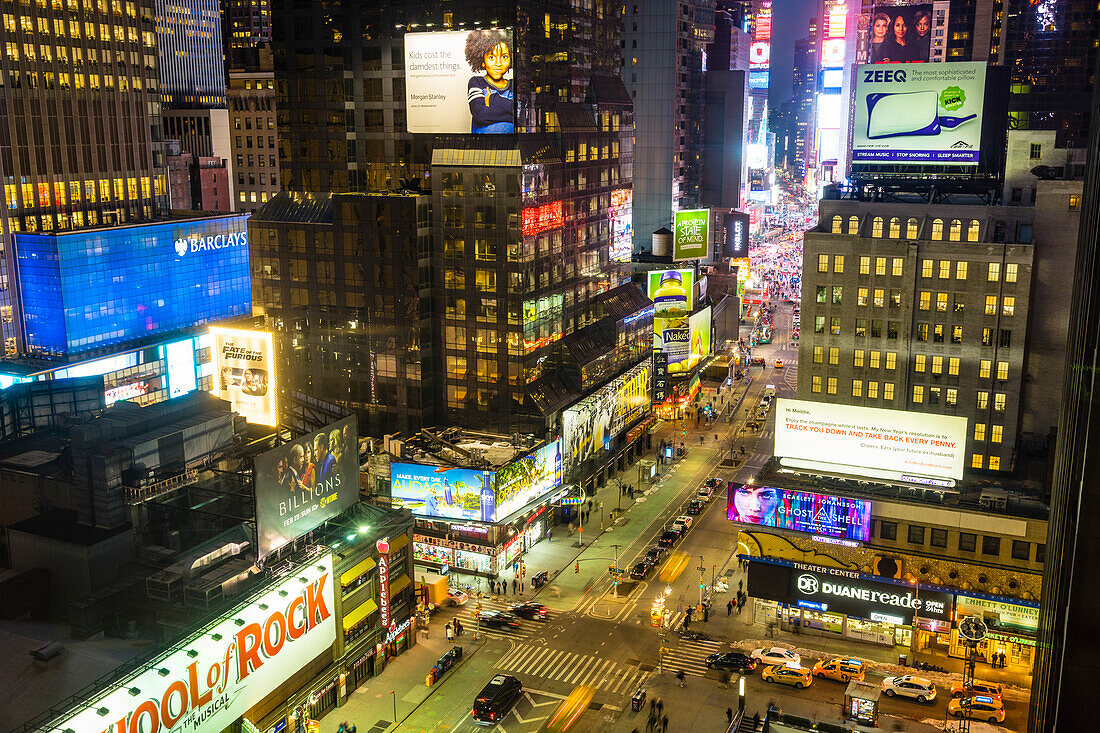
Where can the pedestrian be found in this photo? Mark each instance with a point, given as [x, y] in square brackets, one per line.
[651, 722]
[706, 614]
[664, 724]
[652, 705]
[450, 632]
[729, 608]
[549, 535]
[729, 716]
[458, 627]
[515, 584]
[521, 586]
[660, 706]
[740, 607]
[740, 586]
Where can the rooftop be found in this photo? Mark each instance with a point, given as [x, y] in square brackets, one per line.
[459, 448]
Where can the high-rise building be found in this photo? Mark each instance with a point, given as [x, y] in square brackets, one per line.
[1067, 647]
[252, 109]
[530, 305]
[246, 32]
[804, 92]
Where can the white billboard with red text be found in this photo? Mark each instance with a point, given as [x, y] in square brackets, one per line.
[850, 439]
[208, 681]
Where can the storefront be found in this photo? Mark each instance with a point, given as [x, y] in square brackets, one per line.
[838, 603]
[1012, 623]
[485, 550]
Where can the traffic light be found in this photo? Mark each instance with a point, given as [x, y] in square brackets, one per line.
[576, 567]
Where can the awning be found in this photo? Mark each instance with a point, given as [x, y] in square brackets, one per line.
[399, 585]
[360, 612]
[356, 570]
[399, 542]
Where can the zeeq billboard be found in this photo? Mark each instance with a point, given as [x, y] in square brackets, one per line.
[460, 82]
[926, 114]
[210, 680]
[305, 482]
[691, 234]
[849, 438]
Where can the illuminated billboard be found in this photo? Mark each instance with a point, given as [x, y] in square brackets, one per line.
[672, 293]
[737, 235]
[539, 219]
[699, 326]
[925, 114]
[760, 48]
[900, 34]
[227, 667]
[799, 511]
[487, 496]
[304, 482]
[591, 424]
[672, 301]
[621, 219]
[244, 373]
[460, 82]
[691, 234]
[850, 439]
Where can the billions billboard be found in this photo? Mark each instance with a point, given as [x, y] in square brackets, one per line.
[226, 668]
[925, 114]
[302, 483]
[848, 438]
[691, 234]
[460, 82]
[900, 34]
[589, 425]
[244, 373]
[486, 496]
[799, 511]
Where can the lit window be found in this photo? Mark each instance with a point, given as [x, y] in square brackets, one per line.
[861, 296]
[983, 400]
[895, 227]
[945, 269]
[952, 396]
[1008, 305]
[960, 270]
[994, 463]
[823, 263]
[857, 359]
[857, 387]
[960, 302]
[918, 363]
[1011, 272]
[953, 366]
[991, 305]
[819, 352]
[872, 390]
[1002, 370]
[831, 385]
[880, 265]
[973, 231]
[815, 384]
[956, 231]
[937, 365]
[891, 359]
[834, 355]
[979, 431]
[838, 293]
[1074, 202]
[937, 229]
[977, 460]
[880, 297]
[875, 357]
[926, 268]
[925, 300]
[999, 401]
[995, 433]
[864, 265]
[941, 302]
[911, 228]
[876, 226]
[837, 225]
[918, 394]
[853, 225]
[898, 264]
[956, 334]
[888, 390]
[994, 272]
[834, 326]
[984, 368]
[838, 264]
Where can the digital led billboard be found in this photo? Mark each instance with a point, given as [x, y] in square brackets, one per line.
[900, 34]
[691, 234]
[799, 511]
[590, 425]
[621, 219]
[244, 373]
[301, 484]
[487, 496]
[699, 325]
[926, 114]
[460, 82]
[737, 235]
[847, 438]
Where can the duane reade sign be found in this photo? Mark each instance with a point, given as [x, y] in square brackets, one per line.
[208, 681]
[846, 438]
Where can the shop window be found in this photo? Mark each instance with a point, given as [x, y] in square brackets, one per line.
[888, 530]
[916, 534]
[991, 545]
[938, 538]
[1021, 550]
[967, 542]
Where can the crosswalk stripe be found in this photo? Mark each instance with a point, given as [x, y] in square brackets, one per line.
[545, 663]
[596, 676]
[519, 656]
[579, 670]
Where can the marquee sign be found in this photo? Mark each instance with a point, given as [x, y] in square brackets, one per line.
[383, 547]
[210, 680]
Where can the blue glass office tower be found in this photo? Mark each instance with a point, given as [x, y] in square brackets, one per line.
[88, 291]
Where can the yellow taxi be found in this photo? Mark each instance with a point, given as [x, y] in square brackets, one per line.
[788, 674]
[840, 669]
[778, 363]
[980, 707]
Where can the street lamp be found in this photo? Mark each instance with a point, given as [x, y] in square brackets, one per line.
[916, 609]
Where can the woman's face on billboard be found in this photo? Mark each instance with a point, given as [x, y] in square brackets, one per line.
[755, 504]
[881, 26]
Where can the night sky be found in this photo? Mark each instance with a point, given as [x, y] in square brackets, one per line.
[792, 19]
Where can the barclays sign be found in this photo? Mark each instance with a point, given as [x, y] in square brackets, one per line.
[198, 243]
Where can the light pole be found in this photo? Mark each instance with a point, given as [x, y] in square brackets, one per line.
[702, 577]
[916, 609]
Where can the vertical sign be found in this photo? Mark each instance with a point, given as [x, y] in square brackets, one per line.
[660, 376]
[383, 546]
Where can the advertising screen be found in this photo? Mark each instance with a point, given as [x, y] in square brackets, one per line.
[244, 373]
[655, 279]
[487, 496]
[900, 34]
[846, 438]
[691, 234]
[460, 82]
[592, 423]
[621, 217]
[699, 325]
[927, 114]
[799, 511]
[210, 680]
[737, 235]
[302, 483]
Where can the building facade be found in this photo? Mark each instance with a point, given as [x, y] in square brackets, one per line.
[189, 50]
[931, 309]
[251, 101]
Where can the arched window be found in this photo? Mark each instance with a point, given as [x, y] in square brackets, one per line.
[956, 232]
[974, 231]
[853, 225]
[876, 226]
[911, 228]
[937, 229]
[837, 224]
[895, 227]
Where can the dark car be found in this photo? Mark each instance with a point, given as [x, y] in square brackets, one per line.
[499, 620]
[496, 699]
[540, 579]
[654, 555]
[713, 482]
[529, 610]
[640, 570]
[695, 506]
[668, 539]
[731, 661]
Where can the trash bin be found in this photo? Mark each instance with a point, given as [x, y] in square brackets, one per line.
[903, 660]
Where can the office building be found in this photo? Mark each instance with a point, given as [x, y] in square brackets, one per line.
[251, 100]
[1033, 155]
[948, 309]
[804, 93]
[530, 305]
[1068, 643]
[246, 32]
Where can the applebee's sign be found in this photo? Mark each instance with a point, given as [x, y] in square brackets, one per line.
[383, 547]
[208, 681]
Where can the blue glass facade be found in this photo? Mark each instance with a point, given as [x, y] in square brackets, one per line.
[90, 290]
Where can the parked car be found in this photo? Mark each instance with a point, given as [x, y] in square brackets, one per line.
[695, 506]
[731, 661]
[978, 687]
[788, 674]
[980, 707]
[776, 655]
[668, 539]
[529, 610]
[840, 669]
[499, 620]
[641, 570]
[917, 688]
[654, 555]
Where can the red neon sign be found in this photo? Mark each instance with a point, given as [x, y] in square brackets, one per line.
[539, 219]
